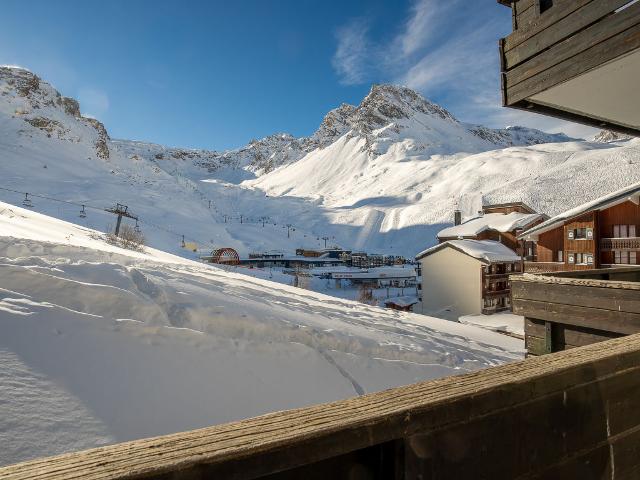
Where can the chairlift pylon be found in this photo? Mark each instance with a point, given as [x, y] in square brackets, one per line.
[83, 213]
[27, 201]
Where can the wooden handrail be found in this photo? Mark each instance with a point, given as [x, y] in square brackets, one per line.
[285, 440]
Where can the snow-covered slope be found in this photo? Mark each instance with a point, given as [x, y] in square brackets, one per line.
[384, 175]
[100, 344]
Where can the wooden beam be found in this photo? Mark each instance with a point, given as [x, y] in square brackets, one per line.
[543, 22]
[619, 300]
[608, 39]
[560, 31]
[564, 336]
[596, 318]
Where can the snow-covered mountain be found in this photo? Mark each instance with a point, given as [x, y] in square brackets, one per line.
[388, 114]
[384, 175]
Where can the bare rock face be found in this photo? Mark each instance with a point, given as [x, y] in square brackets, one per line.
[70, 105]
[605, 136]
[49, 126]
[101, 143]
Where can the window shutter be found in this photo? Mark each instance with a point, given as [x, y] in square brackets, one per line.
[571, 258]
[590, 233]
[571, 234]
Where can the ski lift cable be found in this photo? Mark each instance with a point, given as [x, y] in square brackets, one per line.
[85, 206]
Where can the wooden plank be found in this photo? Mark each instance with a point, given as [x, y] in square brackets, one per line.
[535, 345]
[559, 31]
[586, 40]
[576, 279]
[555, 427]
[526, 16]
[557, 13]
[567, 335]
[618, 300]
[626, 451]
[284, 440]
[596, 318]
[614, 47]
[550, 111]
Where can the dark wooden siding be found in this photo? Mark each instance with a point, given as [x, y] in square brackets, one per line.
[549, 243]
[580, 245]
[570, 309]
[627, 213]
[571, 38]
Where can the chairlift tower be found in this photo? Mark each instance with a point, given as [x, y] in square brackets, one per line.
[121, 211]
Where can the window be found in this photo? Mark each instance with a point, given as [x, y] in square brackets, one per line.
[622, 257]
[582, 233]
[624, 231]
[633, 258]
[583, 258]
[560, 259]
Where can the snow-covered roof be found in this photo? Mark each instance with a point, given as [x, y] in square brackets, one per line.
[488, 251]
[405, 301]
[490, 221]
[631, 193]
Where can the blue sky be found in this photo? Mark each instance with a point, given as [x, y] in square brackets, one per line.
[215, 74]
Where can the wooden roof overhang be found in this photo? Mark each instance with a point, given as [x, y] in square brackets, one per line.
[579, 60]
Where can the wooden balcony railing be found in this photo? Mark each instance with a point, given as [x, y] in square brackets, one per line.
[572, 414]
[543, 267]
[630, 243]
[497, 293]
[572, 309]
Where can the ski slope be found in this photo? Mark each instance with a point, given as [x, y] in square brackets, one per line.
[100, 344]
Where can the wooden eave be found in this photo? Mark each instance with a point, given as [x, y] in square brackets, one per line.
[565, 42]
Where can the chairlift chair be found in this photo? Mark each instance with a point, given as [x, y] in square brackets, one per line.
[83, 213]
[27, 201]
[137, 227]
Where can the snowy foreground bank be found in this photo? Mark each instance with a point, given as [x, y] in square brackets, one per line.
[100, 345]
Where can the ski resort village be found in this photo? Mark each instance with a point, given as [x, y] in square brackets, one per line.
[435, 275]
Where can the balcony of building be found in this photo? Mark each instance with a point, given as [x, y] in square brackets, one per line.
[622, 244]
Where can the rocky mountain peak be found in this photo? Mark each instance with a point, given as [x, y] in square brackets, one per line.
[391, 102]
[40, 105]
[605, 136]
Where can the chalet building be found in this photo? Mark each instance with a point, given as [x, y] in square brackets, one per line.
[403, 304]
[465, 277]
[598, 234]
[574, 59]
[500, 222]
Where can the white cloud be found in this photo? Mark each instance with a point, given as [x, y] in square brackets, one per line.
[446, 52]
[352, 55]
[421, 24]
[93, 100]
